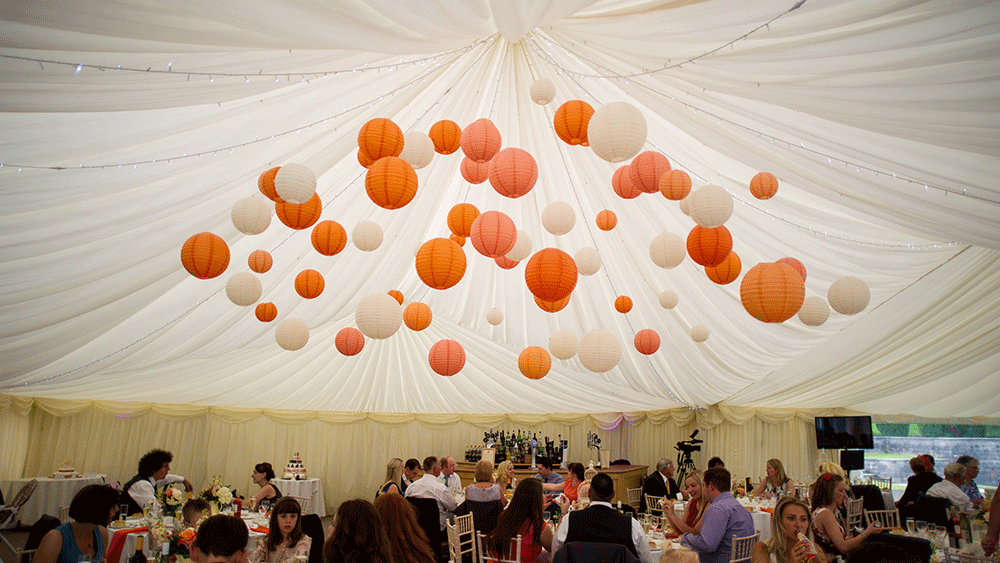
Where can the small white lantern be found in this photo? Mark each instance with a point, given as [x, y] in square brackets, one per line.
[588, 261]
[542, 91]
[699, 333]
[685, 205]
[418, 149]
[295, 183]
[251, 215]
[668, 299]
[494, 316]
[667, 250]
[291, 334]
[378, 316]
[522, 247]
[563, 344]
[710, 206]
[367, 236]
[243, 288]
[558, 218]
[814, 311]
[616, 131]
[848, 295]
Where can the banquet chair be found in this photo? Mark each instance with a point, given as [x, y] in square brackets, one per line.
[8, 514]
[312, 526]
[305, 502]
[8, 552]
[802, 491]
[888, 518]
[593, 552]
[486, 513]
[634, 496]
[653, 504]
[427, 519]
[854, 514]
[462, 539]
[884, 483]
[743, 548]
[486, 557]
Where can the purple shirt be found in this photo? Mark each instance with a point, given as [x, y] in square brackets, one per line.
[723, 519]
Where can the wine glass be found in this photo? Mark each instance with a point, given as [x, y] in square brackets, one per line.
[921, 528]
[547, 516]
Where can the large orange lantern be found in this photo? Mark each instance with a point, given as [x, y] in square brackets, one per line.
[513, 172]
[675, 185]
[440, 263]
[622, 184]
[623, 304]
[446, 136]
[328, 238]
[646, 170]
[727, 271]
[571, 121]
[647, 341]
[417, 316]
[396, 294]
[772, 292]
[606, 220]
[391, 182]
[350, 341]
[265, 183]
[474, 172]
[309, 284]
[796, 265]
[763, 185]
[552, 306]
[481, 140]
[446, 357]
[205, 255]
[260, 261]
[364, 159]
[709, 247]
[550, 274]
[493, 234]
[461, 217]
[380, 138]
[534, 362]
[266, 312]
[300, 216]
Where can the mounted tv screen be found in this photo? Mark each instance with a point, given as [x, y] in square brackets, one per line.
[844, 432]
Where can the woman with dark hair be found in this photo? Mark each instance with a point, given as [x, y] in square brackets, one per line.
[357, 535]
[829, 492]
[408, 540]
[92, 509]
[262, 475]
[284, 540]
[522, 517]
[789, 521]
[923, 478]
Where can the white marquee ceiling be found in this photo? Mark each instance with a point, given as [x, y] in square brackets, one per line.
[130, 126]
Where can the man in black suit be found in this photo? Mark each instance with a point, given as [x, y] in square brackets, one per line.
[660, 483]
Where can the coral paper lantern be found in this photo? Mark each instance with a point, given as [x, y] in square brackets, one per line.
[350, 341]
[647, 341]
[494, 316]
[796, 265]
[378, 316]
[623, 304]
[493, 234]
[474, 172]
[461, 217]
[417, 316]
[446, 357]
[599, 351]
[440, 263]
[550, 274]
[542, 91]
[668, 299]
[727, 271]
[814, 311]
[588, 261]
[513, 172]
[328, 238]
[379, 138]
[848, 295]
[418, 149]
[763, 185]
[607, 220]
[622, 184]
[552, 306]
[675, 185]
[534, 362]
[772, 292]
[291, 334]
[391, 182]
[558, 218]
[522, 248]
[367, 236]
[205, 255]
[646, 170]
[266, 312]
[265, 183]
[260, 261]
[481, 140]
[563, 344]
[505, 263]
[711, 206]
[251, 216]
[396, 294]
[243, 289]
[571, 121]
[300, 216]
[617, 131]
[309, 284]
[667, 250]
[709, 247]
[699, 333]
[446, 136]
[295, 183]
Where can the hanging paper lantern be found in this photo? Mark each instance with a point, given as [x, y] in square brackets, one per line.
[243, 289]
[494, 316]
[505, 263]
[711, 206]
[617, 131]
[685, 205]
[418, 149]
[367, 236]
[460, 241]
[571, 121]
[205, 255]
[474, 172]
[481, 140]
[446, 136]
[461, 217]
[378, 316]
[493, 234]
[364, 159]
[588, 261]
[391, 182]
[606, 220]
[417, 316]
[727, 271]
[265, 183]
[542, 91]
[295, 183]
[251, 216]
[291, 334]
[763, 185]
[796, 265]
[647, 341]
[446, 357]
[328, 238]
[699, 333]
[396, 294]
[513, 172]
[623, 304]
[599, 351]
[622, 184]
[534, 362]
[552, 306]
[558, 218]
[309, 284]
[563, 344]
[266, 312]
[300, 216]
[522, 247]
[550, 274]
[772, 292]
[379, 138]
[668, 299]
[260, 261]
[350, 341]
[440, 263]
[675, 184]
[848, 295]
[709, 247]
[667, 250]
[814, 311]
[646, 170]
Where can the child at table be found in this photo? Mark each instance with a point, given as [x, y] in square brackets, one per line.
[194, 511]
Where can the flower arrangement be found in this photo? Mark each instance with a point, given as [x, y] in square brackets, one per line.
[171, 498]
[217, 492]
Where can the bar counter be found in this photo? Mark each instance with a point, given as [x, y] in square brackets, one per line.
[625, 476]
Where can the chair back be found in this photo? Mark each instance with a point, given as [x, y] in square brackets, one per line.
[933, 510]
[884, 483]
[594, 552]
[486, 512]
[634, 496]
[427, 519]
[24, 494]
[888, 518]
[743, 548]
[312, 526]
[653, 504]
[461, 539]
[854, 514]
[305, 502]
[485, 556]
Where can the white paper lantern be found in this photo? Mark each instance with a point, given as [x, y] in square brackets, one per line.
[558, 218]
[710, 206]
[378, 316]
[617, 131]
[542, 91]
[295, 183]
[494, 316]
[291, 334]
[699, 333]
[668, 299]
[667, 250]
[522, 247]
[563, 344]
[599, 351]
[418, 149]
[243, 288]
[848, 295]
[686, 205]
[588, 261]
[367, 236]
[252, 215]
[814, 311]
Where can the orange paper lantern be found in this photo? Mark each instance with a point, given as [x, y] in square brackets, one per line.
[300, 216]
[446, 136]
[309, 284]
[481, 140]
[513, 172]
[397, 295]
[364, 159]
[266, 312]
[265, 183]
[474, 172]
[550, 274]
[391, 182]
[460, 241]
[417, 316]
[446, 357]
[796, 265]
[647, 341]
[260, 261]
[505, 263]
[350, 341]
[552, 306]
[727, 271]
[493, 234]
[534, 362]
[205, 255]
[709, 247]
[675, 185]
[623, 304]
[763, 185]
[461, 217]
[772, 292]
[380, 138]
[328, 238]
[440, 263]
[622, 184]
[646, 170]
[606, 220]
[571, 121]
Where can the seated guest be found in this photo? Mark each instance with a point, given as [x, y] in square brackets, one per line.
[829, 492]
[970, 488]
[522, 517]
[428, 486]
[85, 538]
[659, 483]
[548, 477]
[916, 484]
[504, 476]
[695, 509]
[221, 539]
[484, 489]
[448, 477]
[725, 518]
[950, 488]
[790, 518]
[408, 540]
[715, 462]
[601, 523]
[570, 487]
[284, 540]
[153, 472]
[261, 476]
[410, 471]
[393, 478]
[357, 535]
[194, 510]
[775, 482]
[993, 530]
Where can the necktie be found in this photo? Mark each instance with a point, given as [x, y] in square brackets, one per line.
[446, 480]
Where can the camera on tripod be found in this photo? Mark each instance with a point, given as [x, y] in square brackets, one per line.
[684, 449]
[688, 446]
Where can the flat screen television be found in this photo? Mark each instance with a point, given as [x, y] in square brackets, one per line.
[844, 432]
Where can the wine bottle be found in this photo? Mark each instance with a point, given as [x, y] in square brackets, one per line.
[138, 556]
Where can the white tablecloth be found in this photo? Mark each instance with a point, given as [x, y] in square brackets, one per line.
[129, 546]
[309, 488]
[49, 495]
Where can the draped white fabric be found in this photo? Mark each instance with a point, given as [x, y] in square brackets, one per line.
[130, 126]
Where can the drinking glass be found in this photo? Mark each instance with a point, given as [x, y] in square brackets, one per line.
[921, 528]
[911, 526]
[547, 516]
[265, 506]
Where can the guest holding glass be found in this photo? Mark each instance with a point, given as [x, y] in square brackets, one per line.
[261, 476]
[504, 476]
[284, 540]
[409, 542]
[484, 489]
[85, 538]
[791, 519]
[393, 478]
[775, 483]
[357, 534]
[694, 511]
[522, 517]
[829, 492]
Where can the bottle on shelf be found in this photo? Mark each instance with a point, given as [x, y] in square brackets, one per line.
[138, 556]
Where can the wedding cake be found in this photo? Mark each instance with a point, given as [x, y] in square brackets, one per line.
[67, 471]
[295, 469]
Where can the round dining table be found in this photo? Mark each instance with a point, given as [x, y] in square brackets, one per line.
[50, 494]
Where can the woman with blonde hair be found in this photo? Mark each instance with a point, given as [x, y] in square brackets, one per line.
[695, 509]
[791, 537]
[393, 478]
[776, 483]
[408, 540]
[504, 476]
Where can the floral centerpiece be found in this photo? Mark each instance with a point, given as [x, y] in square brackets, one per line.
[180, 540]
[218, 494]
[171, 498]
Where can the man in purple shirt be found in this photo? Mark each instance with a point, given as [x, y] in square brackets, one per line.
[725, 518]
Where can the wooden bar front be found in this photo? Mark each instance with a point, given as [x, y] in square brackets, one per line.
[625, 476]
